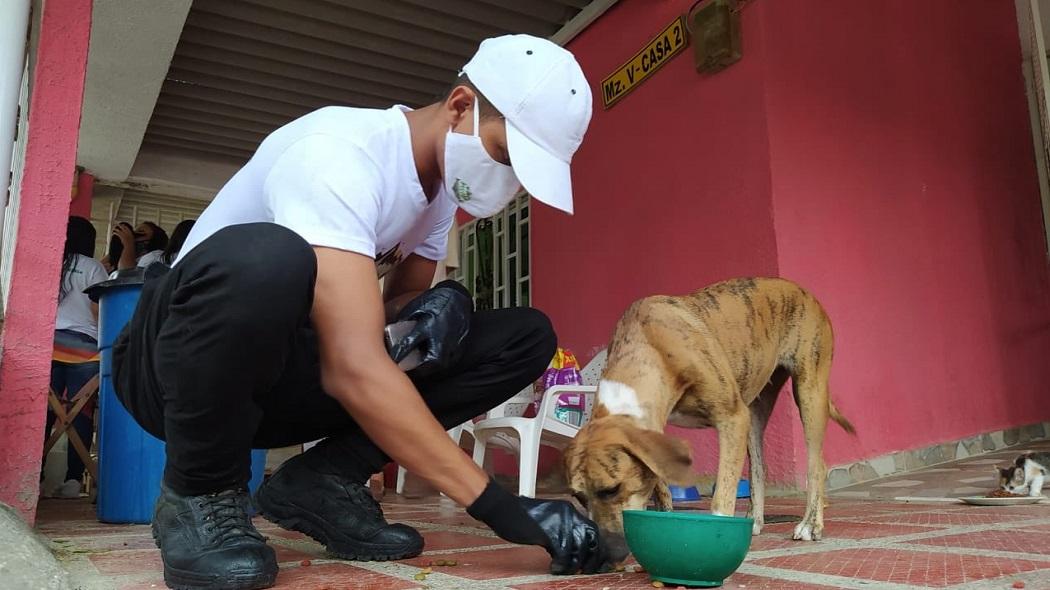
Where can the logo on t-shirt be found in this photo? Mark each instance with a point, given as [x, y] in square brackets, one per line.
[386, 261]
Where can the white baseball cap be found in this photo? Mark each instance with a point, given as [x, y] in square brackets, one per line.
[542, 93]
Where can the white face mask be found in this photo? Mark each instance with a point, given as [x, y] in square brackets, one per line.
[480, 185]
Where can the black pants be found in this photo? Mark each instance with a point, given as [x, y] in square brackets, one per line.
[220, 357]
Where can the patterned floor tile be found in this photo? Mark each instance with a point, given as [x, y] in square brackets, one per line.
[1017, 541]
[625, 581]
[135, 562]
[444, 540]
[462, 520]
[123, 556]
[631, 581]
[926, 568]
[109, 542]
[492, 564]
[332, 576]
[337, 576]
[855, 530]
[969, 518]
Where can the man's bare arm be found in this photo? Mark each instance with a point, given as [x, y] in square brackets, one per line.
[357, 371]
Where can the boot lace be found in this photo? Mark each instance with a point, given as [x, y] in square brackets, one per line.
[226, 518]
[362, 496]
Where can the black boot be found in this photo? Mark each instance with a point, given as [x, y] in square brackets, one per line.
[209, 543]
[340, 513]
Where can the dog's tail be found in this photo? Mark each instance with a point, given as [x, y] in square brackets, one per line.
[840, 419]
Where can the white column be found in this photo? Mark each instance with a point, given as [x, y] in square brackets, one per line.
[14, 21]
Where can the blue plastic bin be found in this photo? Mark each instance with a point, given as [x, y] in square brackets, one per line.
[743, 489]
[131, 461]
[684, 494]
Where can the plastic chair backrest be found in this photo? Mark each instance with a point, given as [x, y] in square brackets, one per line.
[514, 407]
[592, 373]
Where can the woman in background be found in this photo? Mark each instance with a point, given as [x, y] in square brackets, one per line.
[75, 358]
[116, 247]
[178, 238]
[141, 247]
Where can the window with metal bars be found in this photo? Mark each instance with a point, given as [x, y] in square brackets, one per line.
[494, 257]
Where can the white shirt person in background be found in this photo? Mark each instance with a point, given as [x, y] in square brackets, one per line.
[75, 358]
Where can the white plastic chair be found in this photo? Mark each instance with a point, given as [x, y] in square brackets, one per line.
[457, 435]
[506, 427]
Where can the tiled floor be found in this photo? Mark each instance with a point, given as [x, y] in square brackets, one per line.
[967, 477]
[875, 542]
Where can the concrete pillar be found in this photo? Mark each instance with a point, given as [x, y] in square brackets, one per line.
[29, 323]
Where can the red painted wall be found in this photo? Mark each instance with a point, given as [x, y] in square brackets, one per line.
[905, 197]
[85, 192]
[672, 190]
[29, 323]
[877, 153]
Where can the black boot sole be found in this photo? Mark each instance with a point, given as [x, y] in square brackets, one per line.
[182, 580]
[278, 514]
[177, 579]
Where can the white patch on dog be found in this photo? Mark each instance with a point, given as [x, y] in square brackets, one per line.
[619, 399]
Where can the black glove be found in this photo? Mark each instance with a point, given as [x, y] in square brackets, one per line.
[442, 315]
[570, 538]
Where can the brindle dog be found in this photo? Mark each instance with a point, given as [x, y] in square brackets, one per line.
[718, 357]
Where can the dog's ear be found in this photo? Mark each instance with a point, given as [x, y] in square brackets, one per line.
[570, 459]
[669, 458]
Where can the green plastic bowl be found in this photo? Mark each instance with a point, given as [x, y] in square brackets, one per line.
[686, 548]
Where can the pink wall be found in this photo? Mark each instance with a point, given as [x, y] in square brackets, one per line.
[54, 118]
[906, 199]
[877, 153]
[672, 190]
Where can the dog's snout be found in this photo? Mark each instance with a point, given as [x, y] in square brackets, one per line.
[616, 545]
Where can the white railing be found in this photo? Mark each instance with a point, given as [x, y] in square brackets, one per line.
[10, 218]
[511, 264]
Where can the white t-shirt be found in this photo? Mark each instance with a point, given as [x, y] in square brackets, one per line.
[341, 178]
[149, 258]
[74, 310]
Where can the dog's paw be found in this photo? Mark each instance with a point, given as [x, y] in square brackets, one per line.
[756, 529]
[806, 531]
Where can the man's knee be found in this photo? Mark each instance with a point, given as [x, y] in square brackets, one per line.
[536, 339]
[542, 331]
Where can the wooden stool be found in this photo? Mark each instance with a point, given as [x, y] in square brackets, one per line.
[64, 423]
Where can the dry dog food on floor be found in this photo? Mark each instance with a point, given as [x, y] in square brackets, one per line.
[1001, 493]
[443, 563]
[1018, 584]
[420, 577]
[305, 562]
[658, 584]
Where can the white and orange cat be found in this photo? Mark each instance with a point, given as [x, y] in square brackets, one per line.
[1027, 475]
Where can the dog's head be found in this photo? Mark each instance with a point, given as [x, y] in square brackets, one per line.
[612, 465]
